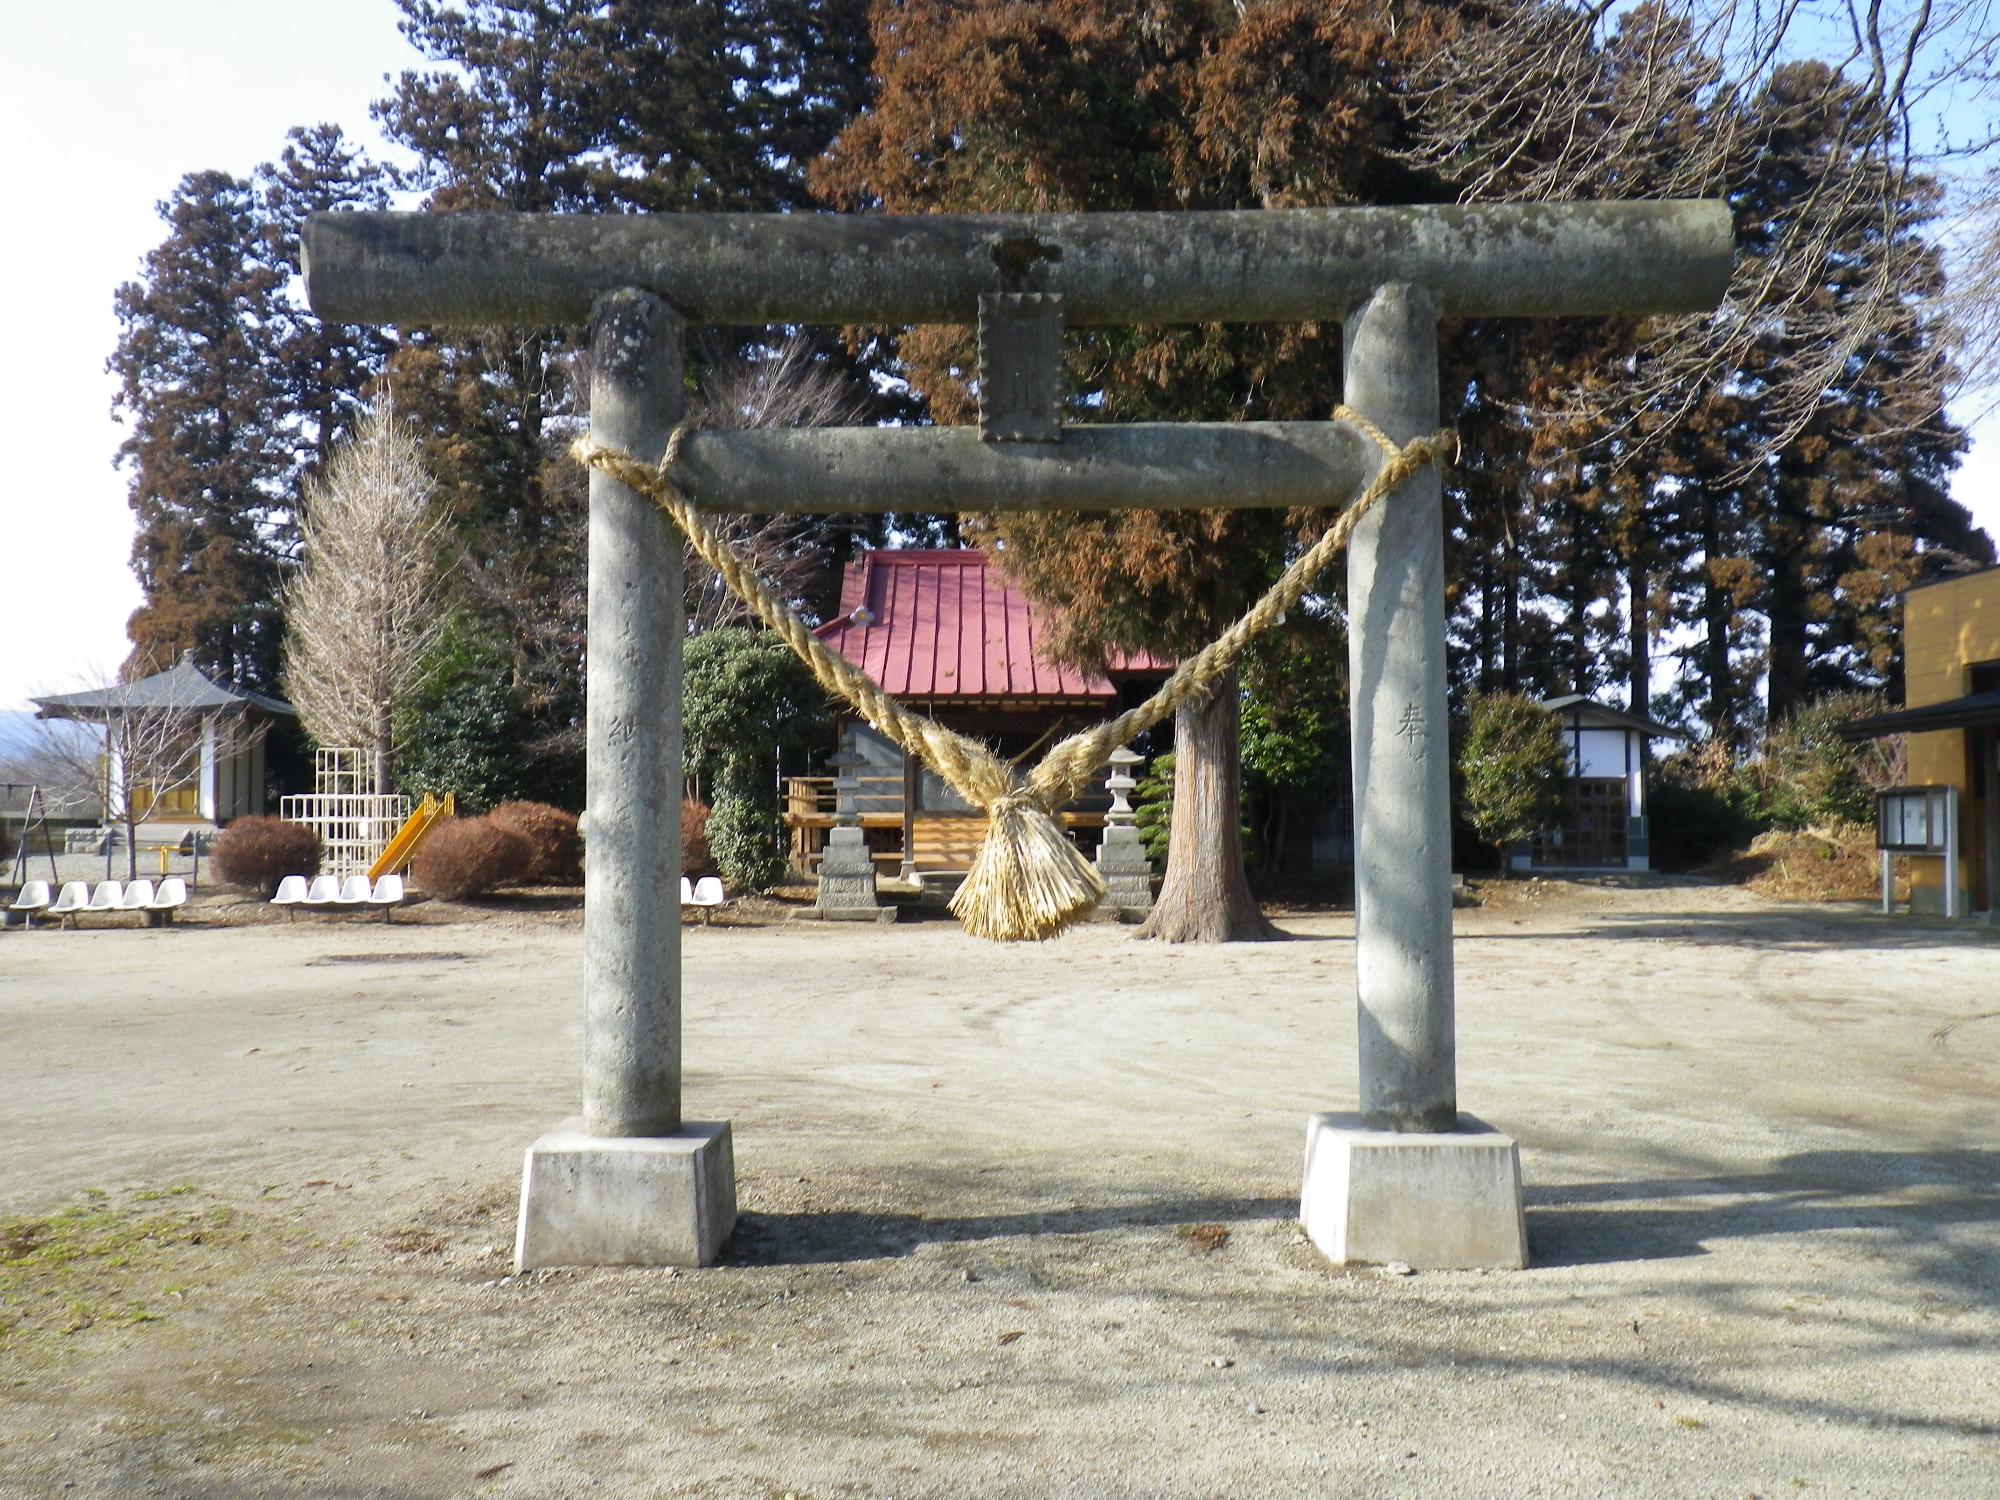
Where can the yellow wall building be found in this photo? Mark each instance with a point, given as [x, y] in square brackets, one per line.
[1951, 674]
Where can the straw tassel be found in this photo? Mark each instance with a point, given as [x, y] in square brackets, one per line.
[1028, 881]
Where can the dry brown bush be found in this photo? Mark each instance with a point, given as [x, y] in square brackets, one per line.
[555, 848]
[468, 857]
[1837, 862]
[695, 858]
[258, 852]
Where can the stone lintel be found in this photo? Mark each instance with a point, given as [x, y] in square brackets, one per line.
[1287, 265]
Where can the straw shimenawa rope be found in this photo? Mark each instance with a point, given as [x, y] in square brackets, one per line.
[1028, 880]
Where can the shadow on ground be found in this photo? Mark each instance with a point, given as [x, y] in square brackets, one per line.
[1852, 925]
[1912, 1198]
[844, 1235]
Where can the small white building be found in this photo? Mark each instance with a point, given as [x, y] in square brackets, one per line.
[1606, 827]
[200, 745]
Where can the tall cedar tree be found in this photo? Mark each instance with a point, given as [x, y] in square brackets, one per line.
[1857, 507]
[321, 372]
[235, 394]
[206, 447]
[994, 105]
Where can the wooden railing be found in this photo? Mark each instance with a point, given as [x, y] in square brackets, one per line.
[878, 797]
[939, 841]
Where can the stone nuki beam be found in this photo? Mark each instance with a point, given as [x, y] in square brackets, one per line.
[1130, 466]
[1257, 265]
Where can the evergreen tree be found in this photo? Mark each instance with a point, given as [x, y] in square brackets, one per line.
[1514, 766]
[320, 373]
[207, 446]
[1855, 506]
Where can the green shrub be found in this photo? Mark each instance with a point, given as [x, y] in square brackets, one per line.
[1293, 732]
[1811, 777]
[462, 732]
[1701, 805]
[555, 849]
[1514, 766]
[1153, 807]
[747, 701]
[256, 853]
[747, 698]
[746, 836]
[468, 857]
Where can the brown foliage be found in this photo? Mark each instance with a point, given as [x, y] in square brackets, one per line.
[695, 858]
[997, 105]
[1835, 863]
[468, 857]
[258, 852]
[555, 847]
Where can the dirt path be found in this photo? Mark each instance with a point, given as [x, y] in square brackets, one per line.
[975, 1183]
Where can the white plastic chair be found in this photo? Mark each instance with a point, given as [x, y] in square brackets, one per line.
[107, 896]
[290, 893]
[353, 891]
[687, 891]
[31, 898]
[138, 896]
[324, 891]
[388, 894]
[173, 893]
[706, 896]
[74, 897]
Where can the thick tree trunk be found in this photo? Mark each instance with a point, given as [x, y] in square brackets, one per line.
[1638, 637]
[1205, 896]
[1579, 606]
[1788, 669]
[1716, 610]
[1489, 611]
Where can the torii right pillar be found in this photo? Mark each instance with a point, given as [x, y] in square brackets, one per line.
[1408, 1178]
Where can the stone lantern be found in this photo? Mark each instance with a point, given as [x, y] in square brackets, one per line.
[1121, 858]
[846, 873]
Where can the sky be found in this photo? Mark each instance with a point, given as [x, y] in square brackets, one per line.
[104, 108]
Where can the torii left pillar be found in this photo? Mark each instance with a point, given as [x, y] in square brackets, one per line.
[631, 1183]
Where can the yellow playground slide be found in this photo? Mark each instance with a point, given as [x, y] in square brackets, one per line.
[411, 834]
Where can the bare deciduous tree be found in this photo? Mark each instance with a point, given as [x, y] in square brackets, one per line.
[784, 386]
[767, 388]
[362, 616]
[1551, 101]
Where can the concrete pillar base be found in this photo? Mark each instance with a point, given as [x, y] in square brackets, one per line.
[590, 1200]
[1450, 1201]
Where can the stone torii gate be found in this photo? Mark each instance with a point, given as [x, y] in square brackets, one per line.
[1406, 1178]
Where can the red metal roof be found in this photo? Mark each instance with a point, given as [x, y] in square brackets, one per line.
[941, 625]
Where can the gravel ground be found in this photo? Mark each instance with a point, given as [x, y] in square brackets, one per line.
[1015, 1221]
